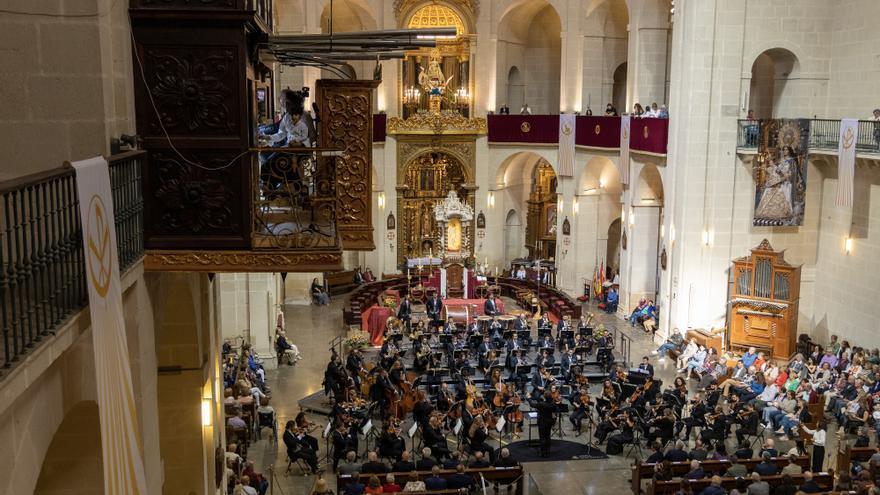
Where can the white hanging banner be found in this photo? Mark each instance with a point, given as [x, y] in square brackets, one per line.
[846, 161]
[624, 148]
[567, 122]
[120, 432]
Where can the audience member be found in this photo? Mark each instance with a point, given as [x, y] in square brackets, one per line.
[460, 479]
[758, 486]
[349, 464]
[355, 487]
[435, 481]
[414, 484]
[374, 486]
[809, 485]
[390, 486]
[714, 488]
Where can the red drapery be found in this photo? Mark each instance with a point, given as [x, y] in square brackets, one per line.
[649, 135]
[597, 132]
[538, 129]
[373, 321]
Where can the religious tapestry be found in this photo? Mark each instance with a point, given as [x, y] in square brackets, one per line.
[781, 173]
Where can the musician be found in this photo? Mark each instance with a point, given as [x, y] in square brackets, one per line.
[698, 411]
[443, 399]
[546, 409]
[422, 353]
[477, 435]
[624, 436]
[662, 427]
[396, 375]
[305, 426]
[335, 378]
[391, 443]
[450, 326]
[433, 308]
[404, 313]
[716, 426]
[383, 390]
[646, 367]
[489, 362]
[565, 363]
[539, 382]
[343, 442]
[387, 353]
[544, 325]
[512, 345]
[564, 324]
[580, 403]
[521, 323]
[490, 308]
[434, 439]
[584, 327]
[474, 328]
[422, 409]
[546, 342]
[747, 419]
[483, 348]
[461, 361]
[496, 330]
[545, 359]
[354, 364]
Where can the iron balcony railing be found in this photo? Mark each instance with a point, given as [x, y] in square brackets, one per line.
[42, 269]
[824, 135]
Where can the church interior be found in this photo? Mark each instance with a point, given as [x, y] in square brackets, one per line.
[321, 247]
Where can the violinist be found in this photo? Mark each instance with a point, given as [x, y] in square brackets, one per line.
[747, 419]
[422, 409]
[391, 443]
[661, 427]
[512, 413]
[305, 427]
[580, 402]
[611, 421]
[343, 442]
[608, 397]
[698, 410]
[434, 439]
[716, 426]
[623, 437]
[354, 364]
[477, 435]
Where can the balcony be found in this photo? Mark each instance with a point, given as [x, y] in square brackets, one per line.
[824, 136]
[42, 268]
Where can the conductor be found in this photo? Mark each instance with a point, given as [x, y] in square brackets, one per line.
[546, 410]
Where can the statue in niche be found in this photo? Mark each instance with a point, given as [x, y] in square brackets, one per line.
[432, 80]
[775, 203]
[453, 235]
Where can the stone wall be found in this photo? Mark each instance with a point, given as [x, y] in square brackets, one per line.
[66, 82]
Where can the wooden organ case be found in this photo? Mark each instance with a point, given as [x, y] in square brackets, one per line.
[764, 303]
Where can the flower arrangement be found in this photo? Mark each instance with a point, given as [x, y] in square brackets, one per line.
[389, 302]
[356, 341]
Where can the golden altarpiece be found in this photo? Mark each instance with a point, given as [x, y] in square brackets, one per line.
[764, 303]
[541, 219]
[436, 140]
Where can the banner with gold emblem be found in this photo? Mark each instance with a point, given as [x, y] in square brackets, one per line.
[120, 433]
[566, 144]
[624, 148]
[846, 161]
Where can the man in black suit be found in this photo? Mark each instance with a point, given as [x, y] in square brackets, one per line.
[404, 313]
[297, 447]
[427, 462]
[459, 479]
[373, 464]
[646, 367]
[405, 464]
[342, 442]
[434, 438]
[433, 308]
[546, 409]
[489, 307]
[539, 382]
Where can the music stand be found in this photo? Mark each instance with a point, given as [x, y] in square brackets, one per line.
[560, 410]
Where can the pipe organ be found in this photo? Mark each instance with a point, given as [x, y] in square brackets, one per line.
[764, 303]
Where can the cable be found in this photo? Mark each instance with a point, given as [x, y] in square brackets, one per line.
[63, 16]
[162, 124]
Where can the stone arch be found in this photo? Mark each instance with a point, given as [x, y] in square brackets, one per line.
[466, 17]
[600, 175]
[522, 158]
[513, 241]
[771, 69]
[649, 187]
[74, 455]
[515, 88]
[529, 37]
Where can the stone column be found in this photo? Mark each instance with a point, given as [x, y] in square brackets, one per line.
[571, 69]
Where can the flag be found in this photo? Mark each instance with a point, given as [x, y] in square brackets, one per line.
[624, 148]
[120, 434]
[567, 123]
[846, 161]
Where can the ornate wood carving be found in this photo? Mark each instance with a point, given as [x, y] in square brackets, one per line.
[187, 4]
[190, 202]
[446, 122]
[193, 88]
[347, 124]
[242, 261]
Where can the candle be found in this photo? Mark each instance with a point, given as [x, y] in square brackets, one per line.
[486, 262]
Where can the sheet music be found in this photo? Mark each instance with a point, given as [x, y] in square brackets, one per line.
[326, 431]
[412, 431]
[500, 425]
[367, 427]
[458, 425]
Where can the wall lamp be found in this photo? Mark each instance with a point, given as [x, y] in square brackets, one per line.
[382, 201]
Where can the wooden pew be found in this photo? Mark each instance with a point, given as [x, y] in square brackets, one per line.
[340, 282]
[494, 475]
[643, 470]
[824, 480]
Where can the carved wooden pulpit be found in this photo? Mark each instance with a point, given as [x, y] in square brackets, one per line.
[764, 303]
